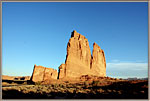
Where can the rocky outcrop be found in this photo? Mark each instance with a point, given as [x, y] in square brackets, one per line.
[61, 73]
[41, 73]
[50, 73]
[6, 77]
[98, 63]
[78, 56]
[79, 60]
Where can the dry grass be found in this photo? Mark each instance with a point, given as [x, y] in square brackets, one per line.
[96, 89]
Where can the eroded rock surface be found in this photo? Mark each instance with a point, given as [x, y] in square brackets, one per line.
[62, 71]
[41, 73]
[79, 60]
[98, 63]
[78, 56]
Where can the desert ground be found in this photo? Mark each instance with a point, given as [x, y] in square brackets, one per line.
[85, 87]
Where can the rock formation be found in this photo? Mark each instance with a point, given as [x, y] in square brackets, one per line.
[61, 73]
[98, 63]
[79, 60]
[78, 56]
[6, 77]
[41, 73]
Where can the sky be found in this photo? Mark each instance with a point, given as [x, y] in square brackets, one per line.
[38, 33]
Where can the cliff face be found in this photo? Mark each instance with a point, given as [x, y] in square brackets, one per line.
[78, 56]
[62, 71]
[41, 73]
[79, 61]
[98, 63]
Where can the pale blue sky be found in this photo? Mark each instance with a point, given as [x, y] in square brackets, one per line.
[37, 33]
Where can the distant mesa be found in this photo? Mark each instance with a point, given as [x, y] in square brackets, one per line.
[6, 77]
[79, 61]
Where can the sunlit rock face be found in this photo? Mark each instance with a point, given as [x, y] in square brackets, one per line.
[79, 60]
[78, 56]
[98, 63]
[41, 73]
[61, 73]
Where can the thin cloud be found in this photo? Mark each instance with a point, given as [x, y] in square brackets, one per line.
[115, 61]
[133, 66]
[126, 70]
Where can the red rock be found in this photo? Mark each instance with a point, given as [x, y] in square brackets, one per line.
[41, 73]
[79, 60]
[61, 73]
[6, 77]
[98, 64]
[50, 73]
[78, 56]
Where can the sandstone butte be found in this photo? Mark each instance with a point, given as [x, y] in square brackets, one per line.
[79, 61]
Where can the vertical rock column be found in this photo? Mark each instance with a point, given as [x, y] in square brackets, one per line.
[61, 72]
[98, 63]
[79, 60]
[78, 56]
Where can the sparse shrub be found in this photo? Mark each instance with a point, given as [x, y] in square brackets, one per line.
[119, 92]
[52, 85]
[55, 85]
[66, 81]
[78, 87]
[95, 83]
[61, 85]
[108, 90]
[86, 84]
[114, 91]
[100, 90]
[13, 83]
[5, 83]
[38, 83]
[25, 83]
